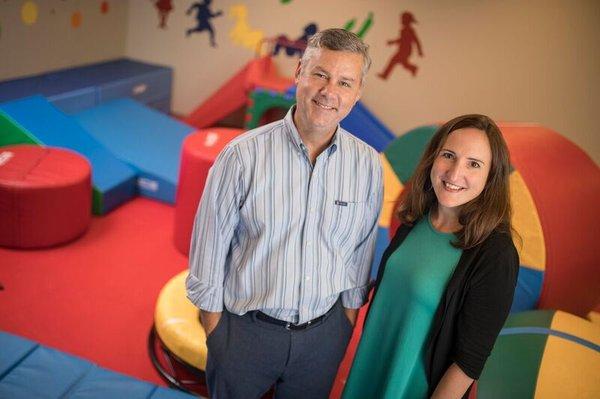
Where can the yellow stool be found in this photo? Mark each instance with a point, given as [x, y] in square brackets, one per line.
[176, 343]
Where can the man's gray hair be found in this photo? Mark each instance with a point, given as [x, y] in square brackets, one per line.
[338, 40]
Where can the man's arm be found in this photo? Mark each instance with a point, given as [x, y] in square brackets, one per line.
[351, 314]
[209, 321]
[354, 298]
[216, 220]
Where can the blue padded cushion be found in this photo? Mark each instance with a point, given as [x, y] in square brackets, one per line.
[114, 179]
[148, 140]
[363, 124]
[29, 370]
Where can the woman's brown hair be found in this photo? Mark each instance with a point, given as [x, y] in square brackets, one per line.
[479, 217]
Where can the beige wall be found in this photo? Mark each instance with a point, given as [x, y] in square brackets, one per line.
[534, 61]
[51, 43]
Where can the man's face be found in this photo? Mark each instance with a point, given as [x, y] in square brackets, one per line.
[328, 86]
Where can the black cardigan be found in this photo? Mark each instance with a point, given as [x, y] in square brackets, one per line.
[474, 306]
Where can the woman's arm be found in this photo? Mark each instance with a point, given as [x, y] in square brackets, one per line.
[453, 384]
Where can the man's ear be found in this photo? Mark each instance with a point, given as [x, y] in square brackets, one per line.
[298, 70]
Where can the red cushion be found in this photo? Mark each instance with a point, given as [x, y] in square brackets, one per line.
[45, 196]
[199, 151]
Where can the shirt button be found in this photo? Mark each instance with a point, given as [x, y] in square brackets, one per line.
[308, 243]
[307, 278]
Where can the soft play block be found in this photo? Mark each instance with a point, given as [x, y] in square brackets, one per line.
[45, 196]
[77, 88]
[147, 140]
[29, 370]
[362, 123]
[35, 120]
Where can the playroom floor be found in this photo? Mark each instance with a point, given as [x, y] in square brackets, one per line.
[95, 297]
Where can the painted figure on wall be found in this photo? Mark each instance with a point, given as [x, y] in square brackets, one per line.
[364, 28]
[164, 8]
[408, 38]
[295, 47]
[242, 34]
[203, 17]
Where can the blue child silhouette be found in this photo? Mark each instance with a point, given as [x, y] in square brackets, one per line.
[203, 17]
[295, 46]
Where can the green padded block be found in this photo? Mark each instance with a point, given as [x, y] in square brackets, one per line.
[12, 133]
[532, 318]
[405, 152]
[512, 369]
[263, 101]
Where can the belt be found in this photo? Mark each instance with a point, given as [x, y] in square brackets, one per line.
[291, 326]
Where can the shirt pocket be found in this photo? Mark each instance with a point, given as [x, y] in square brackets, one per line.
[344, 219]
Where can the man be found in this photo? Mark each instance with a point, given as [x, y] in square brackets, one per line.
[284, 236]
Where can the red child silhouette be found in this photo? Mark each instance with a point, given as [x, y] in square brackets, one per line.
[164, 7]
[408, 36]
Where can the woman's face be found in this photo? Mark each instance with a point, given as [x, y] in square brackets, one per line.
[460, 170]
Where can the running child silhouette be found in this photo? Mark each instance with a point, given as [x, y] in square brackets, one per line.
[405, 42]
[203, 17]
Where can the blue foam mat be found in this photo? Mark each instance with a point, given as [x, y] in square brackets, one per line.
[148, 140]
[29, 370]
[529, 287]
[363, 124]
[114, 179]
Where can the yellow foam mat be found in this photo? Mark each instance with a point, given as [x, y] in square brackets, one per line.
[526, 221]
[177, 324]
[392, 187]
[570, 369]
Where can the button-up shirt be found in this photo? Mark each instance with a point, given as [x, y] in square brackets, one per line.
[276, 233]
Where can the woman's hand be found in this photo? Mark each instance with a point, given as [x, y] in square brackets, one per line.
[453, 384]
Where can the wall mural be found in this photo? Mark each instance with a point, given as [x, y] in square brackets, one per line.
[203, 16]
[76, 19]
[29, 13]
[164, 8]
[364, 28]
[297, 46]
[407, 40]
[242, 34]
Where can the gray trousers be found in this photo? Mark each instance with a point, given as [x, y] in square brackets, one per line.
[248, 356]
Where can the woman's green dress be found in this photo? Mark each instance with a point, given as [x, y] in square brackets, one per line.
[389, 362]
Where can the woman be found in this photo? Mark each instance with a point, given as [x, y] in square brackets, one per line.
[446, 282]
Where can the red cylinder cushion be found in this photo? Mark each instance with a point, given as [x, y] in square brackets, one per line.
[199, 151]
[45, 196]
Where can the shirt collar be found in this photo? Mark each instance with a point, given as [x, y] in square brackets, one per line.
[295, 138]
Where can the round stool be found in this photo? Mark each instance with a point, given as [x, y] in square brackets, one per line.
[176, 343]
[199, 151]
[45, 196]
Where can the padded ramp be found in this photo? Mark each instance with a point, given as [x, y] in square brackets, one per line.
[147, 140]
[29, 370]
[35, 120]
[362, 123]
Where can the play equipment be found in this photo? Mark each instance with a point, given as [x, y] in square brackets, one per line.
[34, 120]
[176, 343]
[360, 121]
[554, 221]
[75, 89]
[199, 152]
[543, 354]
[234, 93]
[45, 196]
[29, 370]
[147, 140]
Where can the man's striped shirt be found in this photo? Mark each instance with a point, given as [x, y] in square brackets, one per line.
[275, 233]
